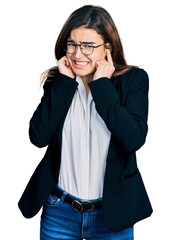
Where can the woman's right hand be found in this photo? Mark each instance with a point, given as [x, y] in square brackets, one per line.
[64, 67]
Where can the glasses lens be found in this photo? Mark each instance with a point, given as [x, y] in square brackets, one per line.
[69, 47]
[87, 48]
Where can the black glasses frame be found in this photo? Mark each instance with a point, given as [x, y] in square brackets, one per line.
[75, 45]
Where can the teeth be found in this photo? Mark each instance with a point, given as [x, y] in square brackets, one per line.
[81, 63]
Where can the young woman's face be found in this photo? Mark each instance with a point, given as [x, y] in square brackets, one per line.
[81, 64]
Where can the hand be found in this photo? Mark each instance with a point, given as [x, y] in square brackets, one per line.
[104, 68]
[64, 67]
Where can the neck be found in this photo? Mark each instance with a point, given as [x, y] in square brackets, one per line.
[87, 79]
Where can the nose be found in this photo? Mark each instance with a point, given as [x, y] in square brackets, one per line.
[78, 52]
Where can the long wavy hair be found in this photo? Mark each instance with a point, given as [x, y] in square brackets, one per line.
[97, 18]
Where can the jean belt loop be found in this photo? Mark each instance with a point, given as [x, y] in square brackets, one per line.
[62, 198]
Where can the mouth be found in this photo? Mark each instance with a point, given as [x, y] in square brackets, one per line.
[80, 64]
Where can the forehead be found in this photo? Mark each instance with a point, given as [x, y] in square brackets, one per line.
[82, 34]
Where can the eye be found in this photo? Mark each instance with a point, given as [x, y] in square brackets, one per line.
[70, 44]
[88, 46]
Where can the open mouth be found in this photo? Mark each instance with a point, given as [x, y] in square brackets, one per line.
[80, 64]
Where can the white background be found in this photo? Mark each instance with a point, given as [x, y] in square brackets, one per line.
[29, 30]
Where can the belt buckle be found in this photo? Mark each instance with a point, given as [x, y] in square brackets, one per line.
[91, 205]
[80, 205]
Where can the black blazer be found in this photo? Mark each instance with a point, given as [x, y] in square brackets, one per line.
[122, 102]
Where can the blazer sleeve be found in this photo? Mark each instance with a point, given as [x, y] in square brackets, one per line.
[128, 123]
[45, 119]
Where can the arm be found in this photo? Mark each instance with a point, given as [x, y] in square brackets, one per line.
[128, 123]
[45, 119]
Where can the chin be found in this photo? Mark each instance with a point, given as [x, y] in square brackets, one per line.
[82, 73]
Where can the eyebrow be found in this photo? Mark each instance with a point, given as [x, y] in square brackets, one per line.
[81, 42]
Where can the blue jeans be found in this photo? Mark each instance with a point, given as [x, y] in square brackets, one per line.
[59, 220]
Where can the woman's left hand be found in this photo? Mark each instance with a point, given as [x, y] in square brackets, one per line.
[104, 68]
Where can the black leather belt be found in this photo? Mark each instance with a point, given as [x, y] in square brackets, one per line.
[79, 206]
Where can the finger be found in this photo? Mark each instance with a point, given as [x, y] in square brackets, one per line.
[109, 57]
[65, 61]
[61, 60]
[101, 62]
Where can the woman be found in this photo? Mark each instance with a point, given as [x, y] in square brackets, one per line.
[93, 118]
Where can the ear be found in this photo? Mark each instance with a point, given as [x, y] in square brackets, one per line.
[108, 46]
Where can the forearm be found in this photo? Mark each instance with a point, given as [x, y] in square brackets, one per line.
[45, 119]
[127, 123]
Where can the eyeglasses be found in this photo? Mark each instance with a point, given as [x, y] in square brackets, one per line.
[86, 48]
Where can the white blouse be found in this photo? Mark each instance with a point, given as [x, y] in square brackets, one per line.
[85, 143]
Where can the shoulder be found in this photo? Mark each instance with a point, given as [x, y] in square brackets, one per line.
[133, 80]
[135, 73]
[137, 80]
[58, 82]
[133, 76]
[51, 79]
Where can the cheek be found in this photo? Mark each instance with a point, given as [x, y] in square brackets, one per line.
[99, 56]
[93, 64]
[102, 55]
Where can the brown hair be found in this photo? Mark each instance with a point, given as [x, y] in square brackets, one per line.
[97, 18]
